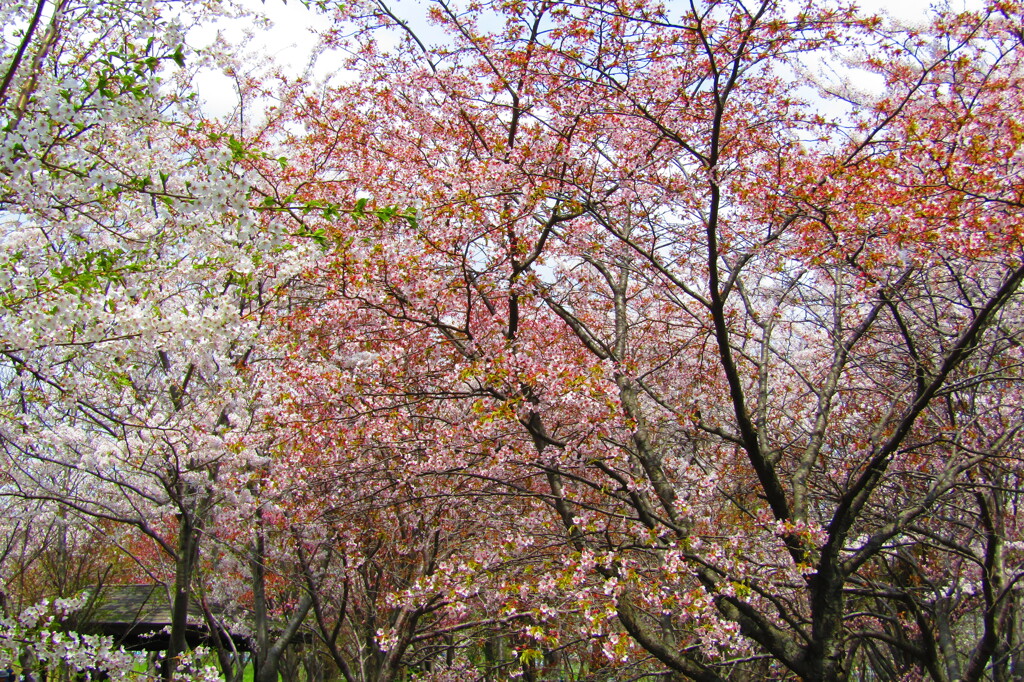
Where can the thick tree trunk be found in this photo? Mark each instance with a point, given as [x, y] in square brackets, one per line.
[824, 658]
[267, 657]
[188, 550]
[270, 665]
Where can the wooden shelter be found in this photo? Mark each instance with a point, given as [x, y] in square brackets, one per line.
[138, 617]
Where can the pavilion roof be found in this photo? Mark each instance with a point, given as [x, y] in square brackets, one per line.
[139, 617]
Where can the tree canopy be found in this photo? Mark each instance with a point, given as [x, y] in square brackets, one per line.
[562, 340]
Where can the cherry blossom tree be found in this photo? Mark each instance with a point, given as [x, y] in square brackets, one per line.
[134, 273]
[755, 366]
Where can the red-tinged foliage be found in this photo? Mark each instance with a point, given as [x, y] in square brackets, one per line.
[748, 373]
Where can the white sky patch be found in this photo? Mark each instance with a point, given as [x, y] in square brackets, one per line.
[284, 32]
[912, 11]
[289, 35]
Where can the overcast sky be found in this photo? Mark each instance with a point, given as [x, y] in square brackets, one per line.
[290, 38]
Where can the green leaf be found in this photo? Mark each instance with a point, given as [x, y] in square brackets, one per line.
[360, 210]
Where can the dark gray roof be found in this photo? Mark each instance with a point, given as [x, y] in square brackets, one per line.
[133, 604]
[138, 616]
